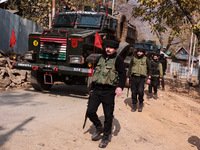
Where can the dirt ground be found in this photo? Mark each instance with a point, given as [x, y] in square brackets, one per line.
[172, 122]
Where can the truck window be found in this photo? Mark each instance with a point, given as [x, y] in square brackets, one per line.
[65, 20]
[113, 24]
[137, 45]
[89, 21]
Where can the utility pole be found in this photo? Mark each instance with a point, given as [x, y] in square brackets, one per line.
[189, 56]
[191, 70]
[113, 6]
[53, 8]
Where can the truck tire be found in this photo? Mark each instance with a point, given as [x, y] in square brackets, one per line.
[37, 81]
[122, 28]
[123, 49]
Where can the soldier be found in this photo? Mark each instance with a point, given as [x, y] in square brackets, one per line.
[156, 76]
[163, 61]
[139, 69]
[108, 80]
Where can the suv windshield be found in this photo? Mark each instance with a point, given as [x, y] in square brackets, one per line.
[65, 20]
[89, 21]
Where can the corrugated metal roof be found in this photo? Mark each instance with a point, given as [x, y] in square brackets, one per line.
[12, 11]
[165, 55]
[184, 57]
[182, 48]
[2, 1]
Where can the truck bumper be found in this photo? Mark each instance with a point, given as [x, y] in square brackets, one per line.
[53, 69]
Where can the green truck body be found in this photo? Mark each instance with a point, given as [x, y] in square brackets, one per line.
[66, 52]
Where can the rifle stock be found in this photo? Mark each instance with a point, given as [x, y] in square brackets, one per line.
[128, 91]
[85, 120]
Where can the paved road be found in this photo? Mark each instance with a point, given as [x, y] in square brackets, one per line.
[24, 112]
[53, 120]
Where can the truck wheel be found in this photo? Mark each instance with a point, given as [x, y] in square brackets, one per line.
[122, 27]
[123, 49]
[37, 81]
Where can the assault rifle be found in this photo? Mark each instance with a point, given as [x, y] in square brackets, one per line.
[86, 112]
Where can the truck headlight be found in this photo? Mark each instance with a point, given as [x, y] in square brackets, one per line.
[28, 56]
[76, 59]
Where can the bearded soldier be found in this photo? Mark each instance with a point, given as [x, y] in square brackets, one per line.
[108, 80]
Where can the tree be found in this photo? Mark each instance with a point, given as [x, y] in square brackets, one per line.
[39, 10]
[173, 14]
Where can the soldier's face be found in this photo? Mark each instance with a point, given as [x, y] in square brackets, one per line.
[110, 50]
[155, 57]
[139, 53]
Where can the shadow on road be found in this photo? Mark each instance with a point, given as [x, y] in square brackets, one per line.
[194, 140]
[115, 127]
[14, 98]
[77, 91]
[128, 101]
[5, 137]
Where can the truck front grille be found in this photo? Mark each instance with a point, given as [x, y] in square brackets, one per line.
[53, 48]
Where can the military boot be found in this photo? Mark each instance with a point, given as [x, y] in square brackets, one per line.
[134, 108]
[149, 96]
[140, 107]
[97, 135]
[155, 96]
[104, 142]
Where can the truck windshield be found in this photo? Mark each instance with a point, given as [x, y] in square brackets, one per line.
[138, 45]
[65, 20]
[89, 21]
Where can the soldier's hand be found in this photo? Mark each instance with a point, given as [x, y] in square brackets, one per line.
[118, 91]
[127, 81]
[160, 79]
[90, 92]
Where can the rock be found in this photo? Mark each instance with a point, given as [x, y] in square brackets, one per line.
[5, 82]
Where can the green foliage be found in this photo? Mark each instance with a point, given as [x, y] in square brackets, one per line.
[39, 10]
[169, 14]
[35, 10]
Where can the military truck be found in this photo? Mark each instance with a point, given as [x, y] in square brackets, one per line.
[66, 52]
[149, 46]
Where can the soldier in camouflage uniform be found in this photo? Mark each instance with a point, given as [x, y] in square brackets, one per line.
[108, 80]
[156, 77]
[139, 69]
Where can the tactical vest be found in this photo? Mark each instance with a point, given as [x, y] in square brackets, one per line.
[154, 68]
[139, 67]
[105, 72]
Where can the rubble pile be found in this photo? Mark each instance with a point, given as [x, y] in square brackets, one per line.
[11, 78]
[184, 88]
